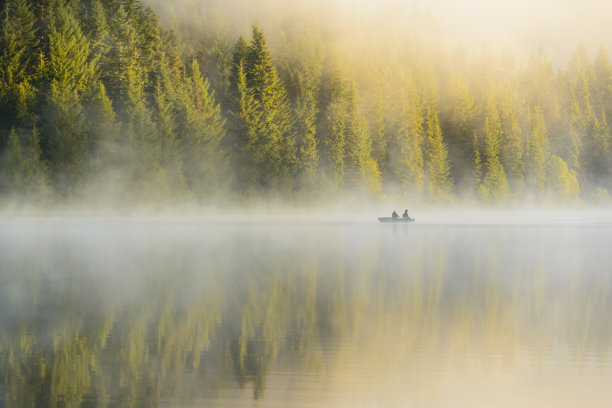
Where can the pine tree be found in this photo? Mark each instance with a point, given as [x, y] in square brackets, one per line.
[71, 64]
[23, 173]
[336, 117]
[562, 182]
[476, 165]
[511, 153]
[439, 182]
[537, 152]
[167, 175]
[19, 45]
[70, 70]
[582, 122]
[361, 169]
[102, 41]
[380, 114]
[411, 137]
[304, 74]
[461, 129]
[495, 181]
[602, 83]
[306, 129]
[103, 132]
[203, 133]
[269, 138]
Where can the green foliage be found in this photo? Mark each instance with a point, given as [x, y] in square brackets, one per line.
[495, 182]
[512, 144]
[265, 114]
[336, 128]
[476, 165]
[537, 152]
[410, 166]
[562, 182]
[124, 105]
[18, 45]
[22, 171]
[440, 184]
[203, 133]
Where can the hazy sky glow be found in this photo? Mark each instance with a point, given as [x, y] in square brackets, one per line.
[559, 25]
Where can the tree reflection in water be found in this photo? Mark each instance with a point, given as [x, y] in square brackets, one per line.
[137, 314]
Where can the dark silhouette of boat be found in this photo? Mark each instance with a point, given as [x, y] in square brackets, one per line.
[391, 219]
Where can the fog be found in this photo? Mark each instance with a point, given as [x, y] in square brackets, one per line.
[494, 310]
[522, 25]
[157, 265]
[559, 26]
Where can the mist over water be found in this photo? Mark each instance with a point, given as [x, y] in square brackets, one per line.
[271, 311]
[253, 288]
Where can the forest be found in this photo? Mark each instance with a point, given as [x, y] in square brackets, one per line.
[101, 102]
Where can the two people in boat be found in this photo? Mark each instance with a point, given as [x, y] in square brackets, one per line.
[404, 215]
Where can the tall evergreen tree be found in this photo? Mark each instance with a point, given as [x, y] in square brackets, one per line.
[511, 153]
[461, 129]
[477, 168]
[495, 181]
[70, 70]
[439, 182]
[411, 137]
[335, 130]
[269, 137]
[19, 50]
[204, 132]
[537, 152]
[23, 174]
[362, 169]
[562, 181]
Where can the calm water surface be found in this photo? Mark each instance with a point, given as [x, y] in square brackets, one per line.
[271, 313]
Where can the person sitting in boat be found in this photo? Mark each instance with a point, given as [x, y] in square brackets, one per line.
[394, 215]
[405, 214]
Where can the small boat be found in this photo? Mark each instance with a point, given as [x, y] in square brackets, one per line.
[391, 219]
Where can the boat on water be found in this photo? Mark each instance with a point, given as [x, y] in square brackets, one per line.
[391, 219]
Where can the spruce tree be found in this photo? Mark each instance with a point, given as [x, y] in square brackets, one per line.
[562, 182]
[336, 128]
[104, 132]
[269, 137]
[511, 153]
[495, 181]
[204, 131]
[23, 173]
[19, 50]
[306, 117]
[602, 83]
[476, 166]
[460, 131]
[537, 153]
[70, 70]
[304, 76]
[361, 169]
[167, 174]
[411, 138]
[439, 182]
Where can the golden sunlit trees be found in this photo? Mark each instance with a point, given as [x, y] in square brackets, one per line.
[410, 158]
[439, 182]
[118, 101]
[537, 153]
[495, 183]
[265, 112]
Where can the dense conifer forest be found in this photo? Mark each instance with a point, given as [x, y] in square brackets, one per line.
[100, 101]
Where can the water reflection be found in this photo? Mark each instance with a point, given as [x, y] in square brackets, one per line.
[104, 313]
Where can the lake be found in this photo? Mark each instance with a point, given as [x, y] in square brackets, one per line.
[494, 310]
